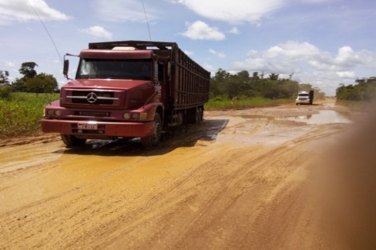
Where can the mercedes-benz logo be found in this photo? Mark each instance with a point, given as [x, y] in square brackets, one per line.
[91, 97]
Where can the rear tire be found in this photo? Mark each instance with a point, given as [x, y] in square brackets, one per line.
[153, 140]
[199, 117]
[195, 115]
[72, 141]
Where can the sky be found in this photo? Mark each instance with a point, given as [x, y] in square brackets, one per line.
[322, 42]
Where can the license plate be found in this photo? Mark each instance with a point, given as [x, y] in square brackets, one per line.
[87, 126]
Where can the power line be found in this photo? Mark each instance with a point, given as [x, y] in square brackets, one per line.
[48, 33]
[146, 19]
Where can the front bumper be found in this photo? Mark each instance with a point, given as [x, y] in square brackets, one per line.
[302, 101]
[103, 130]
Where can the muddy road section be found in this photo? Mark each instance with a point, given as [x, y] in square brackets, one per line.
[237, 181]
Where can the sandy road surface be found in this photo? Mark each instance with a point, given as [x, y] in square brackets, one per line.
[235, 182]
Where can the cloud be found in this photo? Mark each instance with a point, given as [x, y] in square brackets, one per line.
[234, 30]
[202, 31]
[240, 11]
[28, 10]
[347, 57]
[123, 11]
[293, 50]
[10, 64]
[311, 64]
[346, 74]
[217, 53]
[98, 31]
[235, 11]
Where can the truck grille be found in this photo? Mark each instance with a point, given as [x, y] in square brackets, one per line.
[93, 97]
[92, 114]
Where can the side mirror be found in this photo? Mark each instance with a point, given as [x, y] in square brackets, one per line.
[66, 68]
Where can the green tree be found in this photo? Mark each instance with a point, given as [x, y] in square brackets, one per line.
[4, 75]
[273, 76]
[221, 75]
[362, 90]
[224, 84]
[218, 83]
[243, 75]
[18, 85]
[5, 91]
[255, 75]
[33, 82]
[28, 69]
[41, 83]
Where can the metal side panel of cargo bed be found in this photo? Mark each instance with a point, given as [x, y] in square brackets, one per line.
[191, 86]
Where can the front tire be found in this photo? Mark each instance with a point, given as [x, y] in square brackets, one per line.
[72, 141]
[153, 140]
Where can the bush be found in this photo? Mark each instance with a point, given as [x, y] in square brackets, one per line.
[5, 91]
[243, 84]
[41, 83]
[362, 90]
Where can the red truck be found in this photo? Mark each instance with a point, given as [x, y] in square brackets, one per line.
[128, 89]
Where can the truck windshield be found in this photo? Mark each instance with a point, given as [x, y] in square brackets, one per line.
[115, 69]
[303, 95]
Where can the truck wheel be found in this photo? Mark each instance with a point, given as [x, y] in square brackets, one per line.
[154, 139]
[199, 116]
[195, 115]
[72, 141]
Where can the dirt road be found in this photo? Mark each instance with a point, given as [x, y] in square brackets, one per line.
[235, 182]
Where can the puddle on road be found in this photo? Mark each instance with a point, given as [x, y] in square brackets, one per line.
[323, 117]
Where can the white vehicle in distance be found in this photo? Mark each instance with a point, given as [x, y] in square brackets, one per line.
[304, 97]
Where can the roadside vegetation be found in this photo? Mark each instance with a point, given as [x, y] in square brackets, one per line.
[362, 90]
[20, 113]
[242, 90]
[32, 81]
[356, 96]
[22, 101]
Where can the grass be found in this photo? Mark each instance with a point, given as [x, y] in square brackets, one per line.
[219, 103]
[21, 112]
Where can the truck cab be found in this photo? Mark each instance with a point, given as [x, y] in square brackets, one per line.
[304, 97]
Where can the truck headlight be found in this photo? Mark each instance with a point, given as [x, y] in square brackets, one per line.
[127, 116]
[135, 116]
[143, 116]
[52, 112]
